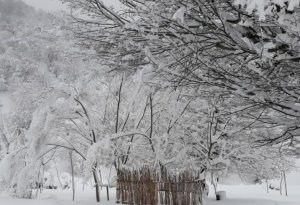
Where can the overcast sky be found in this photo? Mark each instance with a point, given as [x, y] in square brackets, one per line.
[56, 5]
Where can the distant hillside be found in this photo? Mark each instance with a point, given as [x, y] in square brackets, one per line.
[36, 54]
[13, 8]
[29, 40]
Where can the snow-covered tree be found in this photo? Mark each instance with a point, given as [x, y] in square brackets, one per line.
[39, 63]
[240, 47]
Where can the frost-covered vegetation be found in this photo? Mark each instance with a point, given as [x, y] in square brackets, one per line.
[206, 85]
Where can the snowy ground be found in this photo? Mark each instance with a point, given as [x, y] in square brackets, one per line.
[236, 195]
[256, 195]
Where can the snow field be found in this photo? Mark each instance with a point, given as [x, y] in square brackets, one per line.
[236, 195]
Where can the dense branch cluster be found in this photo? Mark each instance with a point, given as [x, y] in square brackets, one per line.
[206, 85]
[244, 49]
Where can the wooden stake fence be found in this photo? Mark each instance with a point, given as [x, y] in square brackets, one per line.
[145, 186]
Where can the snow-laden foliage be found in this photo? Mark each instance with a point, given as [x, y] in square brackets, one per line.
[168, 84]
[264, 8]
[9, 167]
[99, 153]
[243, 49]
[39, 62]
[26, 178]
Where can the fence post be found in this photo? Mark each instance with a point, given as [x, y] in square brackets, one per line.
[107, 193]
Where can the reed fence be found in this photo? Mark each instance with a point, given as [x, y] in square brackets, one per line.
[146, 186]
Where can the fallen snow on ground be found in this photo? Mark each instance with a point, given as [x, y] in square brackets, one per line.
[255, 195]
[61, 197]
[236, 195]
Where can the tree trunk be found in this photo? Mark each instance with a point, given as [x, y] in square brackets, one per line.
[61, 186]
[101, 182]
[38, 183]
[42, 177]
[96, 183]
[281, 180]
[82, 174]
[214, 183]
[107, 193]
[285, 183]
[72, 171]
[267, 186]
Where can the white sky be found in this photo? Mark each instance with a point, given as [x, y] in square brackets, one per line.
[56, 5]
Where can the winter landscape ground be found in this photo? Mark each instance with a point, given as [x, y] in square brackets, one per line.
[236, 195]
